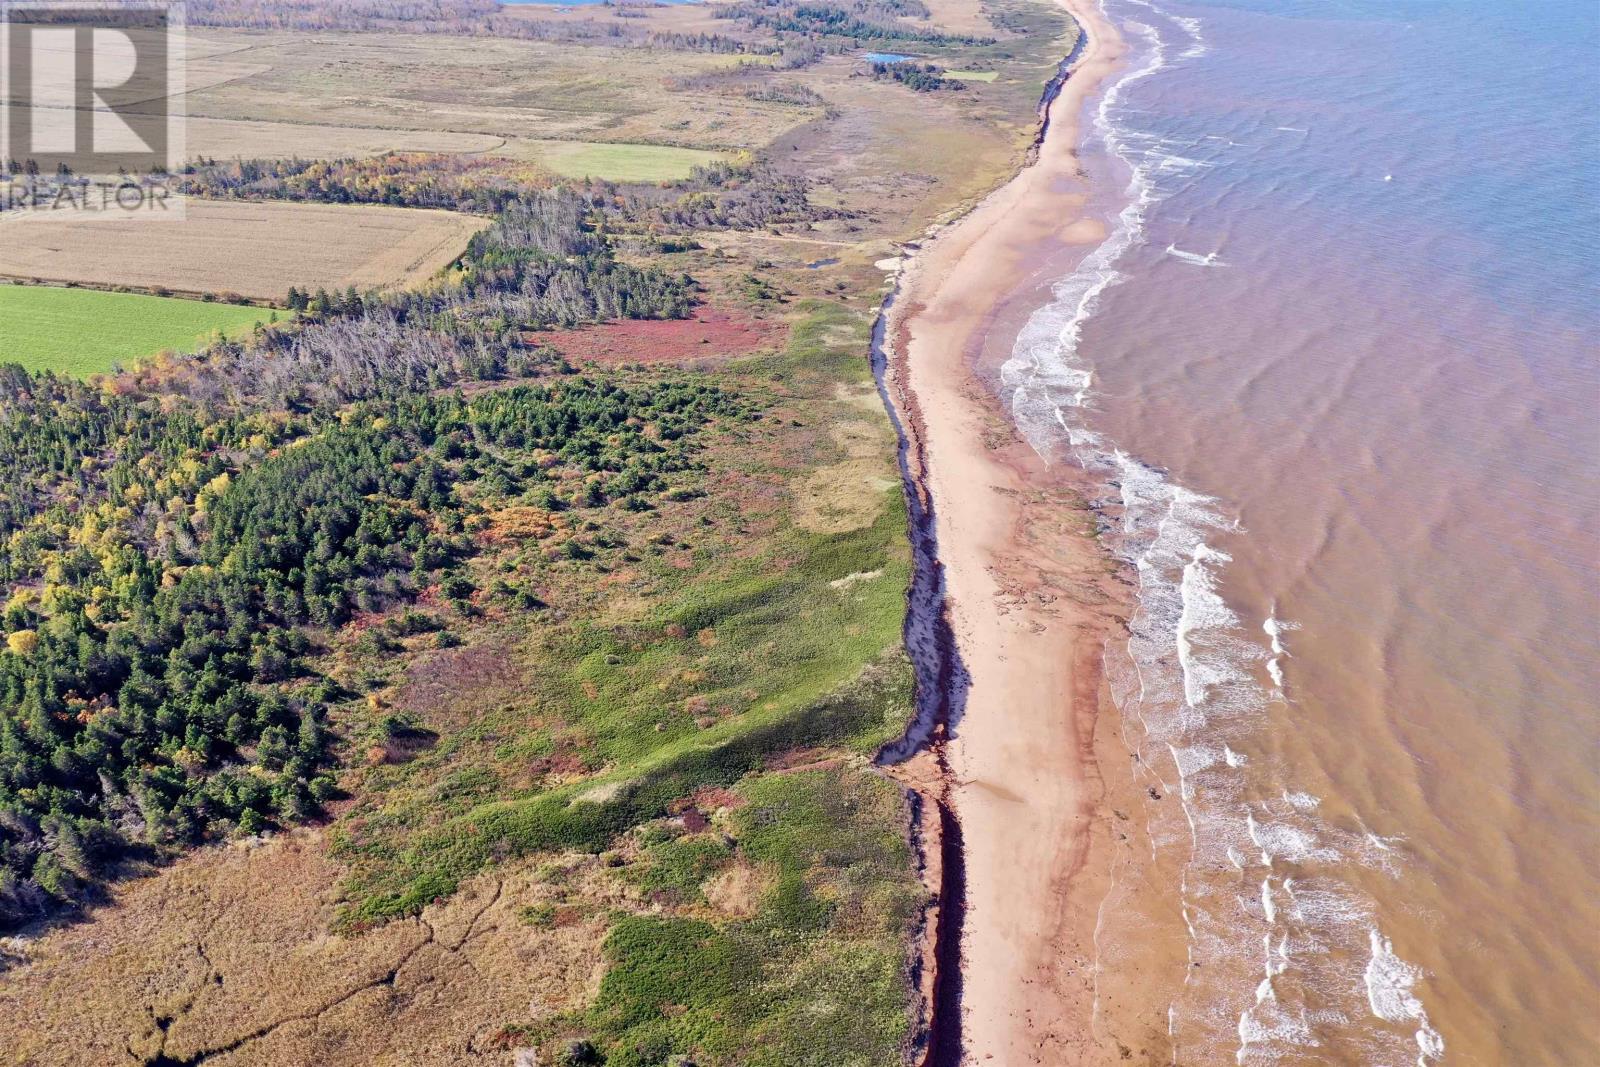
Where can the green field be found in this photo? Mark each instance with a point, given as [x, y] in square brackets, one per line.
[621, 162]
[85, 331]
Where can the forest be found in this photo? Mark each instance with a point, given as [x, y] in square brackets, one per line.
[798, 31]
[175, 573]
[857, 20]
[179, 543]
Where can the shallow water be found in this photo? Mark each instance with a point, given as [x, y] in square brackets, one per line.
[1336, 365]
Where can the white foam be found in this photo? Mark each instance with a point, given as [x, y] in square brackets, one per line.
[1190, 26]
[1389, 981]
[1326, 911]
[1203, 609]
[1283, 841]
[1304, 802]
[1269, 1024]
[1275, 628]
[1209, 259]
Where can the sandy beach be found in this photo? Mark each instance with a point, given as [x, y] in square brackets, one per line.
[1331, 816]
[1032, 599]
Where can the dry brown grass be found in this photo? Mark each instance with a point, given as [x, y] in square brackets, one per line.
[903, 159]
[960, 16]
[224, 139]
[509, 89]
[229, 949]
[738, 890]
[665, 18]
[255, 249]
[849, 494]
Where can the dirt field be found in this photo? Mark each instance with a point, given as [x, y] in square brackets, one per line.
[256, 250]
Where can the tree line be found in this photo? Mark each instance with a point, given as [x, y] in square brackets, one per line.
[732, 194]
[853, 20]
[921, 77]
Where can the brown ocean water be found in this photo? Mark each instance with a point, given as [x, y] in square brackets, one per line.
[1338, 369]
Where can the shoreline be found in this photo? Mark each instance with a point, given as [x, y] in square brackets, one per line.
[1010, 607]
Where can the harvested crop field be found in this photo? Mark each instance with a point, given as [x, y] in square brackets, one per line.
[225, 139]
[257, 250]
[85, 331]
[707, 334]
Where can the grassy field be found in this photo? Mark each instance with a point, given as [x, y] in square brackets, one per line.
[615, 162]
[84, 331]
[475, 85]
[254, 249]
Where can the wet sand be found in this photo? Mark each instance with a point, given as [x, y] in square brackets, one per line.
[1032, 599]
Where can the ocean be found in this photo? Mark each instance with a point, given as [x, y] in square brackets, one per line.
[1337, 370]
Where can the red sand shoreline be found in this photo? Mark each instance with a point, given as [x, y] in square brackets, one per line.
[1030, 598]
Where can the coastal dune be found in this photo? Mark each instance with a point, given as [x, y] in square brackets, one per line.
[1031, 601]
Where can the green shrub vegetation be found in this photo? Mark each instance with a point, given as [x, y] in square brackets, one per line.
[920, 77]
[781, 633]
[755, 651]
[814, 977]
